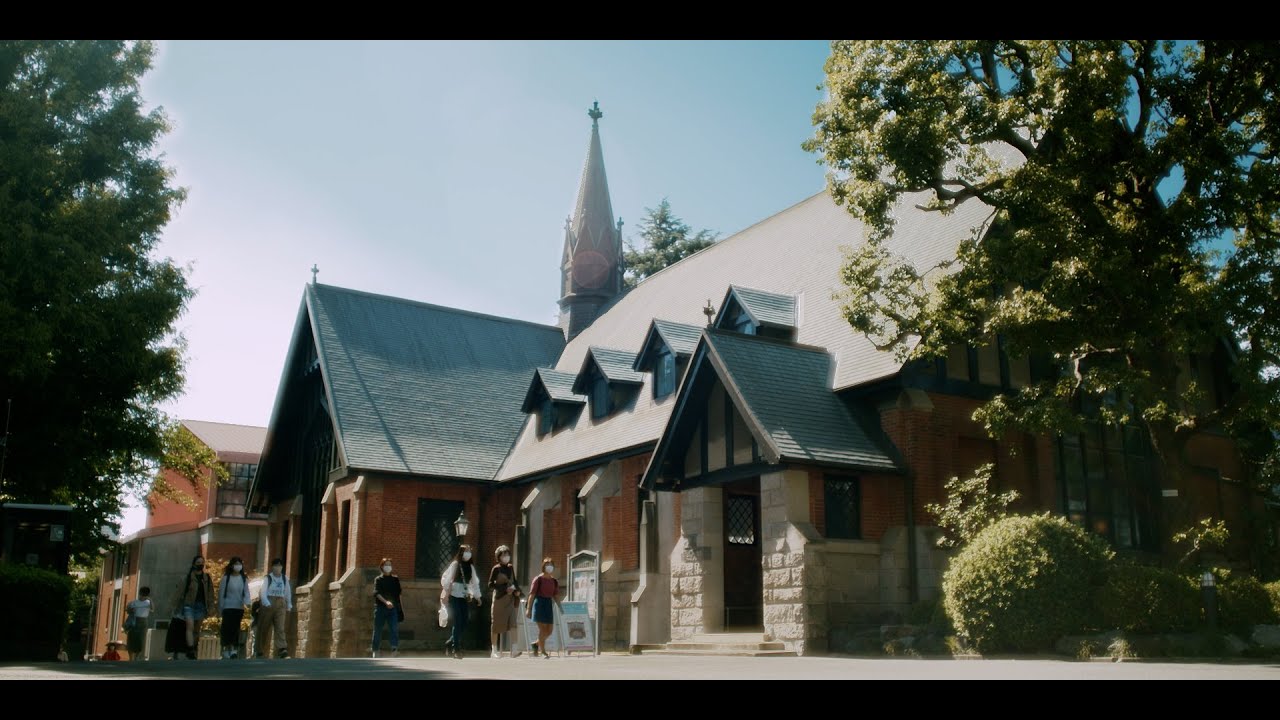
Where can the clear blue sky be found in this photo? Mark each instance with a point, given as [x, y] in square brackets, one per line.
[443, 171]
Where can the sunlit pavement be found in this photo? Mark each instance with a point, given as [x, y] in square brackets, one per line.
[644, 667]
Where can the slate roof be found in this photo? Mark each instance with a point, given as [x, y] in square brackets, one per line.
[615, 364]
[798, 253]
[559, 385]
[424, 389]
[681, 338]
[783, 388]
[764, 307]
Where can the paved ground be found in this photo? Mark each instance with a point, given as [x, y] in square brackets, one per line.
[646, 667]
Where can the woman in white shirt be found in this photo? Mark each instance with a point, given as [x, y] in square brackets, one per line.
[233, 596]
[136, 619]
[461, 584]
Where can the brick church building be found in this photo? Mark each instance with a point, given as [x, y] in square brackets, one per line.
[741, 458]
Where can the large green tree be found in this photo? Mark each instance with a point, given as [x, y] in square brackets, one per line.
[87, 312]
[664, 240]
[1134, 192]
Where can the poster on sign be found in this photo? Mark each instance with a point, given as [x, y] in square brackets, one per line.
[579, 629]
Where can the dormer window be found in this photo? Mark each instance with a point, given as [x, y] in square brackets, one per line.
[739, 321]
[756, 312]
[551, 398]
[601, 403]
[608, 380]
[546, 416]
[665, 353]
[664, 374]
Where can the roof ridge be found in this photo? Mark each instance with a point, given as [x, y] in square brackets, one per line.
[734, 335]
[219, 422]
[739, 233]
[736, 286]
[435, 306]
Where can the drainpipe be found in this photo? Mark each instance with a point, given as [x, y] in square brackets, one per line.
[913, 562]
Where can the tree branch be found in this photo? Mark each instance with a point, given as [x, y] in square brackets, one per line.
[1143, 69]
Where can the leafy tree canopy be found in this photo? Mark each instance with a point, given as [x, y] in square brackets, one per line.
[1133, 189]
[665, 239]
[87, 312]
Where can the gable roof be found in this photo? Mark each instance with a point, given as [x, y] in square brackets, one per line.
[797, 252]
[782, 388]
[765, 308]
[228, 437]
[615, 364]
[681, 338]
[424, 389]
[557, 385]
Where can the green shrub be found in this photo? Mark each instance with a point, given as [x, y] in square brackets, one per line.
[1025, 581]
[34, 604]
[1243, 601]
[1273, 589]
[930, 615]
[1142, 599]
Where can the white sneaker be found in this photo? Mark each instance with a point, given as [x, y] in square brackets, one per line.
[395, 653]
[495, 654]
[373, 654]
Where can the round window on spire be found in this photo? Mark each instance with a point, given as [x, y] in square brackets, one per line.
[590, 269]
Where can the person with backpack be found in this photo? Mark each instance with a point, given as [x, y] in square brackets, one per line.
[276, 603]
[233, 596]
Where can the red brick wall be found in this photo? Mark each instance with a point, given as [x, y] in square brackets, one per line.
[946, 441]
[557, 524]
[168, 512]
[622, 516]
[223, 552]
[390, 525]
[501, 516]
[883, 504]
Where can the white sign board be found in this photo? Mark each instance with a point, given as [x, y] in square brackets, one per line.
[584, 591]
[579, 629]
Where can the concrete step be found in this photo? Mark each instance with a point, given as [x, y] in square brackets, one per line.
[727, 651]
[731, 637]
[724, 647]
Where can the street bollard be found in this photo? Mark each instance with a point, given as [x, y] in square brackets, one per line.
[1209, 595]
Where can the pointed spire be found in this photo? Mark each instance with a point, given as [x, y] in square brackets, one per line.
[591, 266]
[593, 213]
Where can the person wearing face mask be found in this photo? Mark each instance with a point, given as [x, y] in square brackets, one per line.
[386, 608]
[542, 594]
[194, 597]
[461, 583]
[277, 601]
[506, 595]
[233, 596]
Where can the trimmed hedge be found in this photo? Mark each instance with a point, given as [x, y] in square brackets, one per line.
[1243, 601]
[1142, 599]
[34, 605]
[1273, 589]
[1025, 581]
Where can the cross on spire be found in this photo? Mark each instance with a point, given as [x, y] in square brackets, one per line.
[314, 272]
[595, 114]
